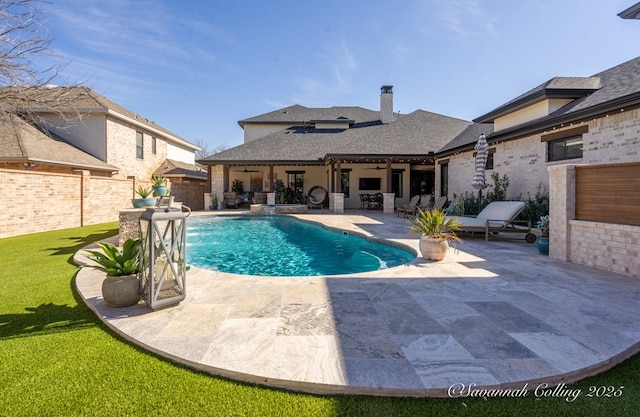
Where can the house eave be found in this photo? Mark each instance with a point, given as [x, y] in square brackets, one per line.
[632, 12]
[614, 106]
[538, 96]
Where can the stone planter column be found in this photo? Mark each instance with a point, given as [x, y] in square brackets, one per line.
[271, 199]
[562, 208]
[388, 202]
[338, 202]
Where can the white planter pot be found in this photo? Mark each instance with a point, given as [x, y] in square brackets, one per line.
[121, 291]
[433, 249]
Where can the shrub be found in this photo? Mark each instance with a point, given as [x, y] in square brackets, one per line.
[537, 206]
[499, 188]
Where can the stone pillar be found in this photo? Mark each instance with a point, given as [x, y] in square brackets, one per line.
[388, 202]
[207, 201]
[271, 199]
[129, 226]
[562, 209]
[338, 202]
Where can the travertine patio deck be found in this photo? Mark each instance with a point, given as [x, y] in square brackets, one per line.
[495, 314]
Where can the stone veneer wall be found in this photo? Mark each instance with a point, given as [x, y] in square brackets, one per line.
[40, 201]
[610, 246]
[523, 161]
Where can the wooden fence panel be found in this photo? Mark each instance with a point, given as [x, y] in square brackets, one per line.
[608, 193]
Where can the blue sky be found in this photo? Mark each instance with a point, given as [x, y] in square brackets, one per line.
[197, 67]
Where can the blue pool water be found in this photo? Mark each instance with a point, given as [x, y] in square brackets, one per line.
[283, 246]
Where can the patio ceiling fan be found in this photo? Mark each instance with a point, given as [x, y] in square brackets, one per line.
[245, 170]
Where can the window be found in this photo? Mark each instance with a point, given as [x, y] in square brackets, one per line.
[345, 178]
[566, 144]
[153, 145]
[489, 164]
[566, 148]
[444, 179]
[295, 182]
[396, 182]
[139, 145]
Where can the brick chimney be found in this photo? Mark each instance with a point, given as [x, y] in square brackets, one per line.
[386, 104]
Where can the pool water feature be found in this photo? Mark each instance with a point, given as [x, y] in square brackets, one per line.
[283, 246]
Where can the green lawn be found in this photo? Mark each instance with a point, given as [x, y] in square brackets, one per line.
[57, 359]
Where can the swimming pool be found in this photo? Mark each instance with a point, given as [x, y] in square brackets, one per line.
[283, 246]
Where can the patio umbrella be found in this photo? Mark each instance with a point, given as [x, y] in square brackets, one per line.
[479, 181]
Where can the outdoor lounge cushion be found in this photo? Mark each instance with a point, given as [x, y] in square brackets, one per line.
[499, 214]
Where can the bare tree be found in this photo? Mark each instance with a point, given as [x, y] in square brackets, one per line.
[206, 149]
[24, 47]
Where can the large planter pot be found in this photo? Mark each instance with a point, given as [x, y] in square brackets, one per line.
[433, 249]
[543, 245]
[121, 291]
[159, 190]
[143, 202]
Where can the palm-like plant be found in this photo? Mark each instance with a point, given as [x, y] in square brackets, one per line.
[143, 192]
[116, 262]
[435, 224]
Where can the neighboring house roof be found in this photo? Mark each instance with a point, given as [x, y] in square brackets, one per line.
[83, 100]
[415, 135]
[632, 12]
[619, 88]
[22, 142]
[174, 169]
[298, 115]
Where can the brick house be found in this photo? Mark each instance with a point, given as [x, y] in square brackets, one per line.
[580, 138]
[82, 170]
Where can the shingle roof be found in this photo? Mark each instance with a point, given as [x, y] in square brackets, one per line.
[417, 133]
[171, 168]
[298, 114]
[619, 87]
[84, 100]
[20, 141]
[557, 87]
[469, 136]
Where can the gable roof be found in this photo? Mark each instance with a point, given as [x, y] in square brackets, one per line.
[22, 142]
[83, 100]
[414, 135]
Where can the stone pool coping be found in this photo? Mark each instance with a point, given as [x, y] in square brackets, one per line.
[494, 314]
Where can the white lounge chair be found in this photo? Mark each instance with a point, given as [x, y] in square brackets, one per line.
[498, 216]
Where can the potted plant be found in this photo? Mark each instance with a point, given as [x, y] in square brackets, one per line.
[214, 202]
[159, 186]
[436, 231]
[144, 200]
[121, 286]
[543, 240]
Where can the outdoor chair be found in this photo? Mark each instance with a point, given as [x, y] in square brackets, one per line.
[439, 203]
[231, 199]
[409, 208]
[425, 199]
[317, 195]
[498, 216]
